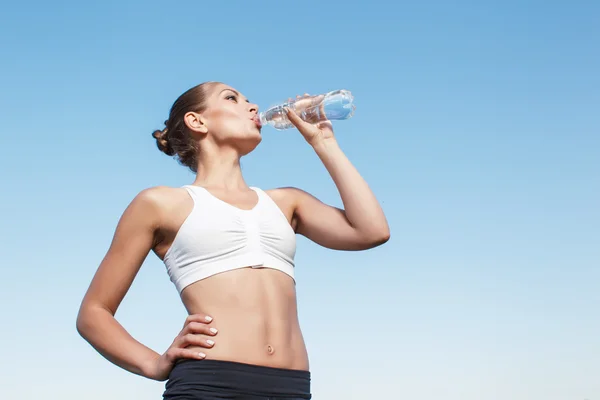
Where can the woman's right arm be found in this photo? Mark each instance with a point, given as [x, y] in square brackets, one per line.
[134, 237]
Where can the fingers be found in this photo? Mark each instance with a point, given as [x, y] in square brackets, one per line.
[311, 119]
[199, 328]
[175, 353]
[196, 333]
[192, 339]
[307, 101]
[200, 318]
[295, 118]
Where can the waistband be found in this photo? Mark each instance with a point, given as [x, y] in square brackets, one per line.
[195, 377]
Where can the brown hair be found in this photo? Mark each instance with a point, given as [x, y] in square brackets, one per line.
[175, 139]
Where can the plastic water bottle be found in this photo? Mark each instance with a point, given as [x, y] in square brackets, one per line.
[336, 105]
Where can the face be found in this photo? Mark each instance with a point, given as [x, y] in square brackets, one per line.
[229, 119]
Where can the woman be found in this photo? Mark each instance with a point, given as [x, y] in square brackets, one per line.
[229, 250]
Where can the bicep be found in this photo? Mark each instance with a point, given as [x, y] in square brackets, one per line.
[325, 225]
[132, 241]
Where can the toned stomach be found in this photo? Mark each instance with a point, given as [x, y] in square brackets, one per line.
[255, 312]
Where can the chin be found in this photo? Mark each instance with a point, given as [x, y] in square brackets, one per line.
[249, 143]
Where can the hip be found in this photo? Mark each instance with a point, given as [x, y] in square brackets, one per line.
[219, 379]
[246, 348]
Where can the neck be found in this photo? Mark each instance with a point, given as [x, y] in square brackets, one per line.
[220, 170]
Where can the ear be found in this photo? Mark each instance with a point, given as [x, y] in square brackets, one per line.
[195, 122]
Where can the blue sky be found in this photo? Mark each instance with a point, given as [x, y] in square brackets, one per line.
[477, 126]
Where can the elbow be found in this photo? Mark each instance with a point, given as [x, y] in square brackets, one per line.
[82, 323]
[86, 320]
[378, 237]
[380, 232]
[382, 238]
[385, 237]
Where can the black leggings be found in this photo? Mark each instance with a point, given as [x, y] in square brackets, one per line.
[226, 380]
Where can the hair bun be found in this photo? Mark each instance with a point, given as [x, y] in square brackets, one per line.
[162, 142]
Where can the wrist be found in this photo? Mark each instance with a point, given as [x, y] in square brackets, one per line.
[148, 367]
[324, 145]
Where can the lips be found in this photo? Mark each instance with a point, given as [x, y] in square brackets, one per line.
[256, 120]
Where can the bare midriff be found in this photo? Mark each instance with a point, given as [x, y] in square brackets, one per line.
[255, 312]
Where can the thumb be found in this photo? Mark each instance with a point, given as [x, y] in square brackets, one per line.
[325, 125]
[295, 118]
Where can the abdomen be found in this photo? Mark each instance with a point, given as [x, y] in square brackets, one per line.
[255, 311]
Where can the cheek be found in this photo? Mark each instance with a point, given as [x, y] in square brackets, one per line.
[224, 121]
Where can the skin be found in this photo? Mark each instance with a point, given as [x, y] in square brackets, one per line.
[252, 312]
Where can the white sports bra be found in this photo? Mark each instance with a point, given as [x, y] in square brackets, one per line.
[217, 237]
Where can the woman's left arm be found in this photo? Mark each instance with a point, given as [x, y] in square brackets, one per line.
[361, 224]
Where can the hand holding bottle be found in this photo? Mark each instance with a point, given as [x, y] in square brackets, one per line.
[312, 132]
[335, 105]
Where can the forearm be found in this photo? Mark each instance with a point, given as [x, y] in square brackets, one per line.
[99, 327]
[362, 208]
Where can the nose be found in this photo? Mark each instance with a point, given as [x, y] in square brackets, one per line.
[253, 108]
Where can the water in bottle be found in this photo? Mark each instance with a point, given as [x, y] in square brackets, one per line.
[336, 105]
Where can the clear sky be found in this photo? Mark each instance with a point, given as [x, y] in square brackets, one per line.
[477, 126]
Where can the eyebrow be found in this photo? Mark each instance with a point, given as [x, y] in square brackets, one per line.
[234, 91]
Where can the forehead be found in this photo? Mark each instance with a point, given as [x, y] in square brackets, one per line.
[221, 88]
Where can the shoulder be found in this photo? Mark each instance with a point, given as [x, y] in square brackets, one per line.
[158, 196]
[288, 193]
[285, 194]
[291, 197]
[155, 202]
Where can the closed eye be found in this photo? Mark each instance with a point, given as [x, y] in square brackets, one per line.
[231, 96]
